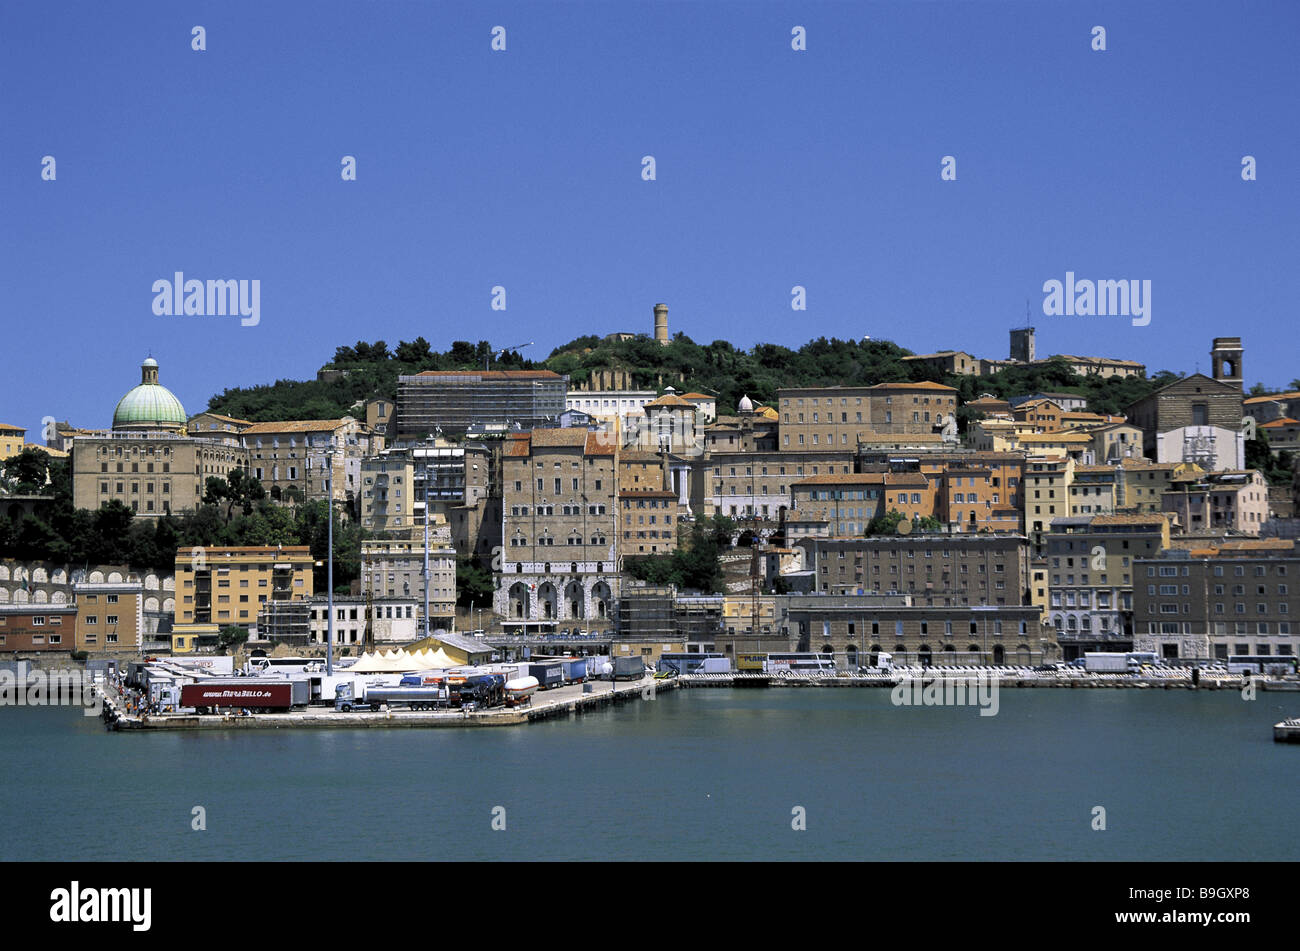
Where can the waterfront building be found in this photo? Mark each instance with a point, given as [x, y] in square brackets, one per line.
[459, 488]
[560, 528]
[452, 401]
[646, 622]
[227, 585]
[1236, 597]
[857, 628]
[37, 628]
[933, 568]
[110, 617]
[392, 620]
[1091, 574]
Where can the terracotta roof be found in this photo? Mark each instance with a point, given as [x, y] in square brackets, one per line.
[939, 353]
[1063, 436]
[668, 399]
[1270, 397]
[599, 444]
[297, 426]
[472, 375]
[1132, 519]
[867, 478]
[558, 437]
[1084, 469]
[1108, 360]
[1284, 421]
[228, 419]
[912, 386]
[697, 396]
[5, 427]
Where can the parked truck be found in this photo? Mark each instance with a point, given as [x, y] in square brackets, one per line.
[1110, 663]
[548, 675]
[628, 668]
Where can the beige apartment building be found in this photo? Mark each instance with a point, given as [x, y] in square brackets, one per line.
[748, 485]
[295, 455]
[1046, 494]
[1231, 500]
[560, 528]
[226, 586]
[110, 617]
[393, 567]
[839, 417]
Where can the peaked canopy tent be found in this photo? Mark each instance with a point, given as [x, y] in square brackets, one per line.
[396, 662]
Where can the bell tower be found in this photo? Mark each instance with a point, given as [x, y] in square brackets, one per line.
[1226, 360]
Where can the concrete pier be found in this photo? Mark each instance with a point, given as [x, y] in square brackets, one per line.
[568, 700]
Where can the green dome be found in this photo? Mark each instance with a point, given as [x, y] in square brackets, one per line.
[149, 405]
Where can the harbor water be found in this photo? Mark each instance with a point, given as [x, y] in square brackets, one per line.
[690, 775]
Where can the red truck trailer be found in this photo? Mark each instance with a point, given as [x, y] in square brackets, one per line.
[254, 696]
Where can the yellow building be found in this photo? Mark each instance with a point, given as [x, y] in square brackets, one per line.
[12, 439]
[225, 586]
[1046, 491]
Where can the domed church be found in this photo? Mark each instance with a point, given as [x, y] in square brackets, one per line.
[149, 406]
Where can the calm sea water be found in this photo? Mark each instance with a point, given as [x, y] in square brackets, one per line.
[699, 774]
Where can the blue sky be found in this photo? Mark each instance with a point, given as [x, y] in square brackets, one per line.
[523, 168]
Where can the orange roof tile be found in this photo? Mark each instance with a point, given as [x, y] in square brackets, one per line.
[297, 426]
[912, 386]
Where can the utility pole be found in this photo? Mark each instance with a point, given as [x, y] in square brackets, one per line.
[329, 571]
[426, 545]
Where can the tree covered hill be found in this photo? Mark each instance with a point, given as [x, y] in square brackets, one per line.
[367, 370]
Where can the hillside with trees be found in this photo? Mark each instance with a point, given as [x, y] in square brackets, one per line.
[367, 370]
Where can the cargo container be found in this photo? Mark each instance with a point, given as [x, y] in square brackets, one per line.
[252, 694]
[629, 668]
[548, 675]
[575, 670]
[1109, 663]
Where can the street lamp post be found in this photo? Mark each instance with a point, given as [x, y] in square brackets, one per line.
[329, 570]
[427, 471]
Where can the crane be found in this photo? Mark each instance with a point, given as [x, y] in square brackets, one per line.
[496, 353]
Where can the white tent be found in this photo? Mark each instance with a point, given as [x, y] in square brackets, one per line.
[391, 662]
